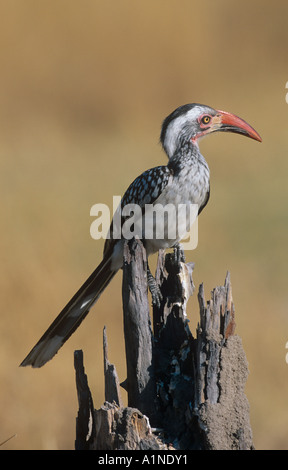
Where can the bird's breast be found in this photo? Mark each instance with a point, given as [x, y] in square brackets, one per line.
[189, 186]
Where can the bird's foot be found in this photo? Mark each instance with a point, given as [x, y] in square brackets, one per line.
[154, 289]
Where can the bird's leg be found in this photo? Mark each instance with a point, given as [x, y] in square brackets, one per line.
[179, 254]
[154, 289]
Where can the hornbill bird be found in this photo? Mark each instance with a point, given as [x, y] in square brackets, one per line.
[184, 180]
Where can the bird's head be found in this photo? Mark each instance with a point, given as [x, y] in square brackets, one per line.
[190, 122]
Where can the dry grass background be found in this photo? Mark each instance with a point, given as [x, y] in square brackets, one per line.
[84, 88]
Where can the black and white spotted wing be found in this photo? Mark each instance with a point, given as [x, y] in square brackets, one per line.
[145, 189]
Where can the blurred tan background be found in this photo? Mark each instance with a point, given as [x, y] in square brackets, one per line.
[84, 87]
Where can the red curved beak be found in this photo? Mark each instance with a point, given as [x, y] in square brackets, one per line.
[230, 123]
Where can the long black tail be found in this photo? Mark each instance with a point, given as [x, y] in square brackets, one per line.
[71, 316]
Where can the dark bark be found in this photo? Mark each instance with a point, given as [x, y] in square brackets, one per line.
[112, 386]
[85, 421]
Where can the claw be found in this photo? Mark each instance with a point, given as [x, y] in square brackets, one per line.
[156, 297]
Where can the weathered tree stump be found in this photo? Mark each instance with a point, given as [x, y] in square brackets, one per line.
[221, 372]
[184, 392]
[140, 382]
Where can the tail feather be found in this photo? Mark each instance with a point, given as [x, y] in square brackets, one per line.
[71, 316]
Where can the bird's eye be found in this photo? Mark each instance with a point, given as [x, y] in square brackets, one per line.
[206, 119]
